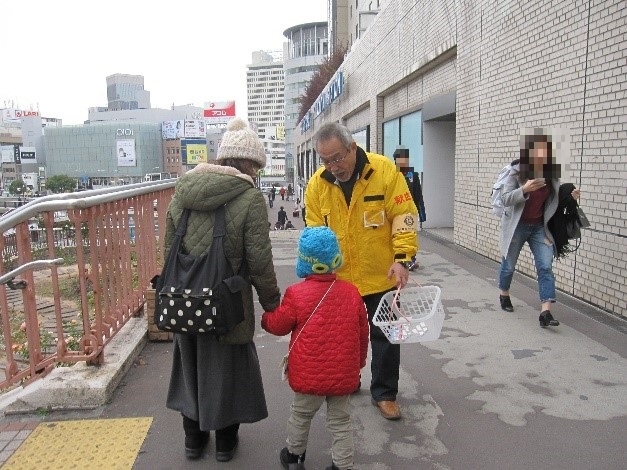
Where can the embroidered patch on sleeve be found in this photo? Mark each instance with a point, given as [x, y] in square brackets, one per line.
[404, 223]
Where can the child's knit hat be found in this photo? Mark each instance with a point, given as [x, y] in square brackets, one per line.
[318, 252]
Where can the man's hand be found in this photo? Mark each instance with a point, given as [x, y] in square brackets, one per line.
[400, 272]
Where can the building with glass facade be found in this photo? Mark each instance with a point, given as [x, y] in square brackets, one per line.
[104, 153]
[307, 46]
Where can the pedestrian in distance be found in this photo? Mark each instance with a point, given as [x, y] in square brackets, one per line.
[282, 217]
[401, 160]
[282, 193]
[216, 381]
[530, 197]
[328, 323]
[365, 200]
[297, 208]
[270, 200]
[273, 192]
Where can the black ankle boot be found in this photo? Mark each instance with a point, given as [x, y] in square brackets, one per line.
[195, 439]
[546, 319]
[506, 303]
[226, 442]
[292, 461]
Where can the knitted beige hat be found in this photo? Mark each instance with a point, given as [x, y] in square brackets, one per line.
[240, 141]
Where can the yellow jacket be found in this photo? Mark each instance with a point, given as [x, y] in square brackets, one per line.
[377, 229]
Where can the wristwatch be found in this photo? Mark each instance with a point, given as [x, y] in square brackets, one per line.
[405, 264]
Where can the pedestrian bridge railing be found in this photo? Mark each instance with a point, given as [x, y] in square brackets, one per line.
[74, 269]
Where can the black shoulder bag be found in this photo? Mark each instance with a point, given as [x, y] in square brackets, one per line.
[567, 222]
[199, 294]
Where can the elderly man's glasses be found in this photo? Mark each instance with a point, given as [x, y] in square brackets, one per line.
[334, 161]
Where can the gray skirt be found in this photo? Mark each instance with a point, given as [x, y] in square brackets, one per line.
[216, 384]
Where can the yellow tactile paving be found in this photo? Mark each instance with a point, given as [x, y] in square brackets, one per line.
[85, 444]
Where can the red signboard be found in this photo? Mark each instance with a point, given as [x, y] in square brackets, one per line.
[219, 112]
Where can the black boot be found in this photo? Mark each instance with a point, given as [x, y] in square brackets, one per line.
[292, 461]
[506, 303]
[226, 442]
[195, 439]
[546, 319]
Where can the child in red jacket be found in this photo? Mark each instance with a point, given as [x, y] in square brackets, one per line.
[329, 326]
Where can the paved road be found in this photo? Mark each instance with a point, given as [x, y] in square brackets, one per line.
[494, 392]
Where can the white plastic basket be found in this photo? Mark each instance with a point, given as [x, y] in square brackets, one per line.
[410, 315]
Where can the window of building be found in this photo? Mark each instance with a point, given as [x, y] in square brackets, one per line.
[405, 131]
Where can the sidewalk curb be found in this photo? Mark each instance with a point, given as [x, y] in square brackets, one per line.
[81, 386]
[285, 234]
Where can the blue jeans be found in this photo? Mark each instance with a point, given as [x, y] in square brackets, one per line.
[386, 357]
[542, 257]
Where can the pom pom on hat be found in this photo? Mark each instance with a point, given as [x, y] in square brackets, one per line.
[240, 141]
[318, 252]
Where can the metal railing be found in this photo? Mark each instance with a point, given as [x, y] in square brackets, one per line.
[98, 251]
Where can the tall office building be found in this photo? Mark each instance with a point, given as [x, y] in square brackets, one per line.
[266, 106]
[126, 92]
[307, 47]
[349, 20]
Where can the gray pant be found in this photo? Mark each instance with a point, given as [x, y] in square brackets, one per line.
[339, 425]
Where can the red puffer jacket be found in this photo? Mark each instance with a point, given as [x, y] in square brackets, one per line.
[332, 348]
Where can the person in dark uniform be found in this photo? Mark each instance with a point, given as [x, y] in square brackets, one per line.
[401, 159]
[282, 217]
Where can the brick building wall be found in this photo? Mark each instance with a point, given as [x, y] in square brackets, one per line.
[511, 65]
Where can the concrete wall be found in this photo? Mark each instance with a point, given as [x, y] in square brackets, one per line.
[512, 65]
[438, 186]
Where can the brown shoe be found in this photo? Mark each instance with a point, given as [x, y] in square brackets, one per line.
[389, 409]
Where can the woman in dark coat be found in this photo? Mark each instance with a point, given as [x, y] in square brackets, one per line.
[216, 381]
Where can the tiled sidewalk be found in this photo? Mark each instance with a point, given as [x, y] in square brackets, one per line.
[12, 435]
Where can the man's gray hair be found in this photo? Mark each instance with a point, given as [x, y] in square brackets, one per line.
[333, 130]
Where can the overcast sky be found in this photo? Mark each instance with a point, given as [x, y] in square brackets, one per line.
[59, 53]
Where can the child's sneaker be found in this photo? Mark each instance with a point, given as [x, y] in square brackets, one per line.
[292, 461]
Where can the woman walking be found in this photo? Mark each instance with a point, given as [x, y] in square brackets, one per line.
[216, 381]
[530, 198]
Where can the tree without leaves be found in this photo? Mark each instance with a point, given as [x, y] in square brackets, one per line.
[320, 78]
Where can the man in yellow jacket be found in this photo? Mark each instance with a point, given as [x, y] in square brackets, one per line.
[365, 200]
